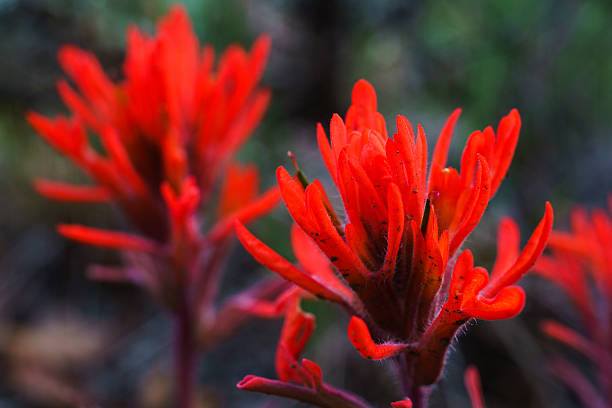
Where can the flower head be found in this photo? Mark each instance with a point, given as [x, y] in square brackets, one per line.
[580, 263]
[175, 115]
[168, 133]
[397, 265]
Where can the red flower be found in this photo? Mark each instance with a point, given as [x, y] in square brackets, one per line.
[173, 115]
[580, 263]
[168, 132]
[397, 266]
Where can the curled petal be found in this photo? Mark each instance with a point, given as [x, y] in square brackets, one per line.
[506, 304]
[407, 403]
[362, 340]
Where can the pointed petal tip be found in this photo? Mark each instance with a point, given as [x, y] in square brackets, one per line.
[454, 116]
[281, 170]
[264, 41]
[176, 11]
[364, 94]
[363, 86]
[336, 120]
[549, 209]
[35, 119]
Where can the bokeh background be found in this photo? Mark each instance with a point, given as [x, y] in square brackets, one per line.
[64, 338]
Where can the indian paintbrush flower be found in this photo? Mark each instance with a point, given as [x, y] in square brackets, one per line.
[580, 263]
[394, 263]
[168, 132]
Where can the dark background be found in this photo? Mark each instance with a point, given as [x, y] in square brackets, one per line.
[61, 334]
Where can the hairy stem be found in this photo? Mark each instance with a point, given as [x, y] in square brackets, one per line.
[418, 394]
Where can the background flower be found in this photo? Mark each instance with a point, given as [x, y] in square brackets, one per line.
[580, 264]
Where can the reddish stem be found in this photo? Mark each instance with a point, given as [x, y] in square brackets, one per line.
[185, 354]
[418, 394]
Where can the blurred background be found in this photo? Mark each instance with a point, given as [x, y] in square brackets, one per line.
[64, 338]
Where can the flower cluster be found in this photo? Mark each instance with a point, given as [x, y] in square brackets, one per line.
[394, 264]
[580, 263]
[159, 144]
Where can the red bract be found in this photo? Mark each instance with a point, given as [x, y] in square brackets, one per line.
[580, 263]
[168, 132]
[303, 380]
[397, 267]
